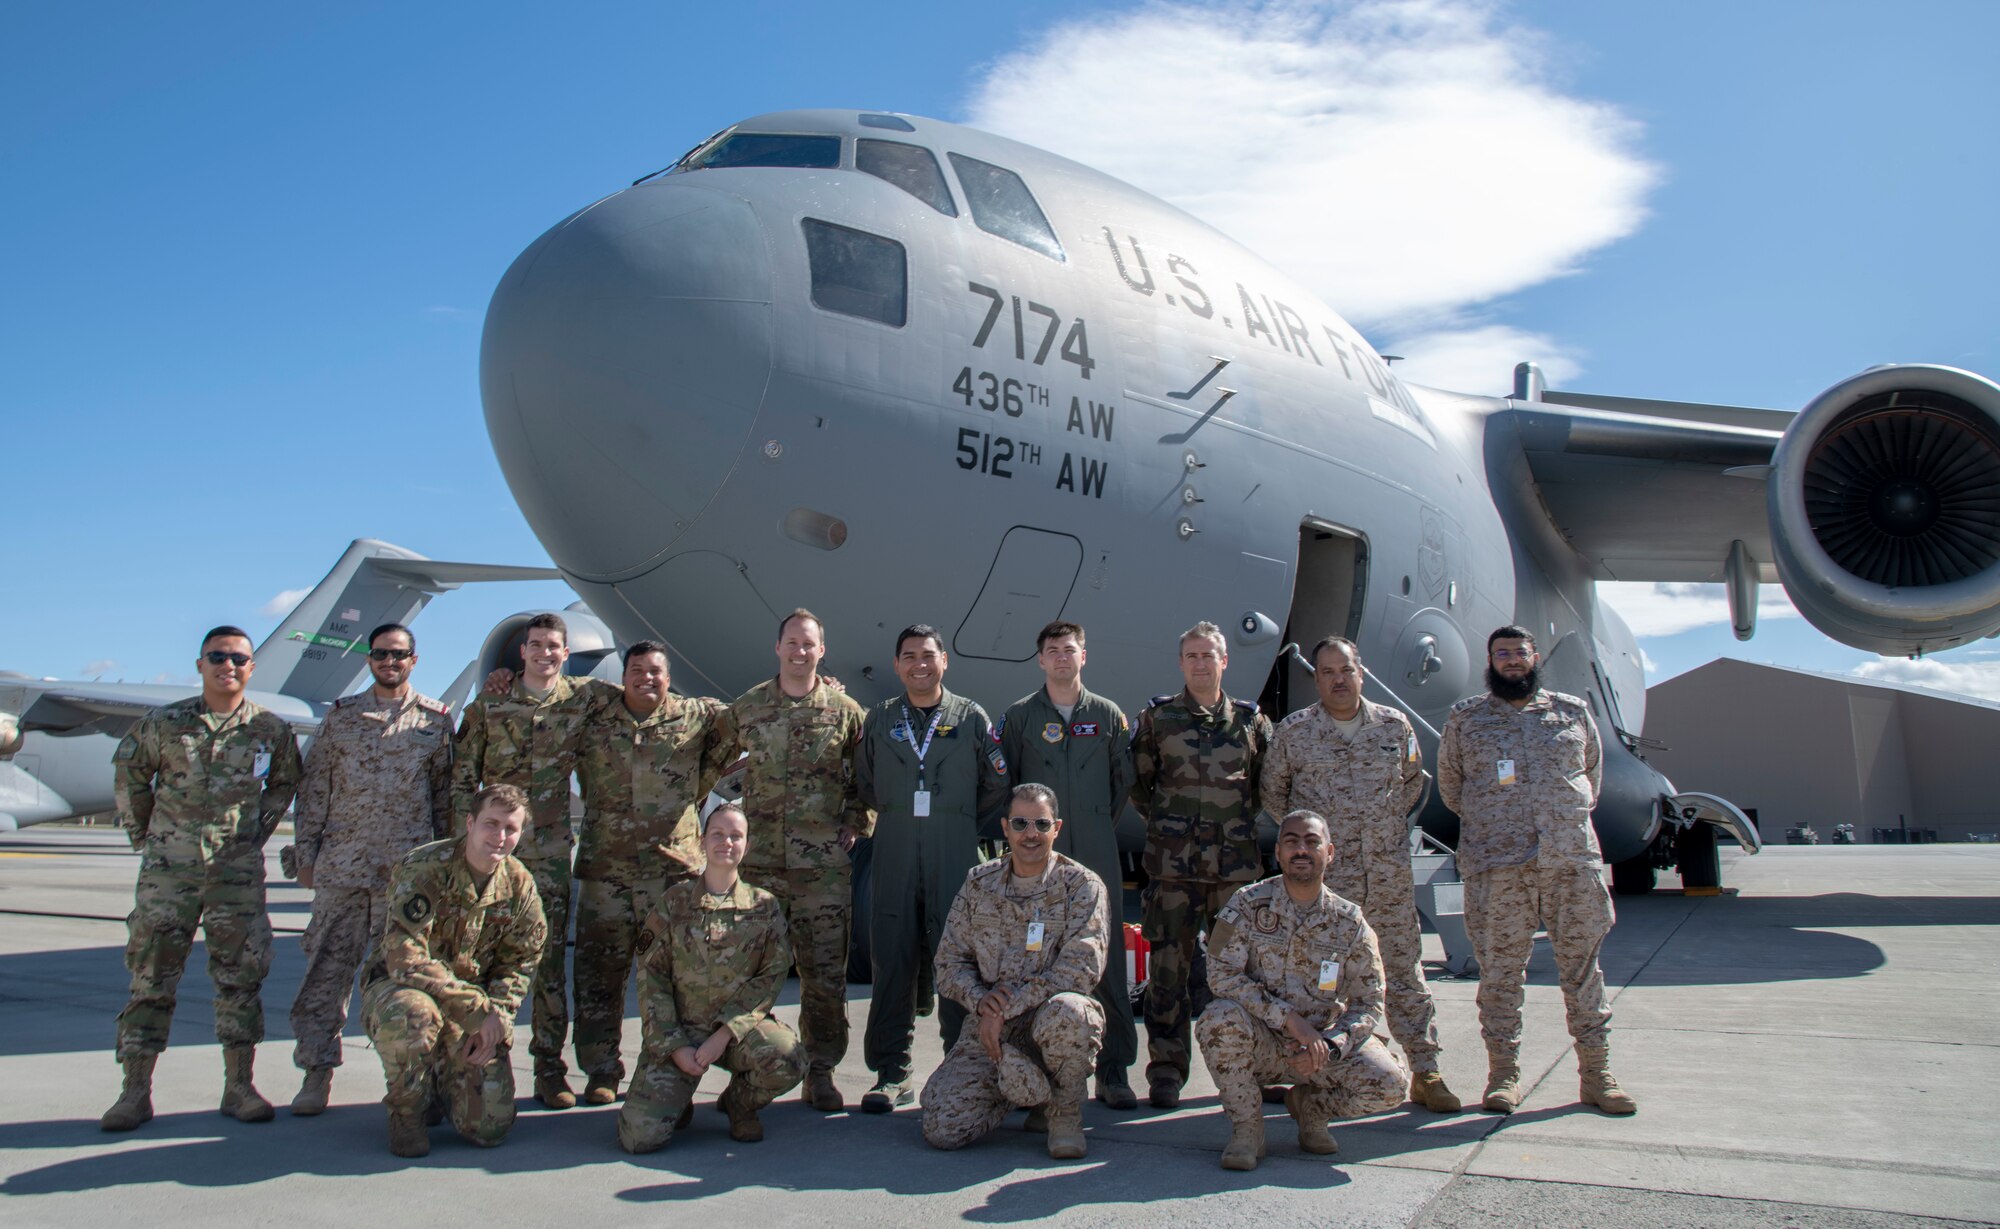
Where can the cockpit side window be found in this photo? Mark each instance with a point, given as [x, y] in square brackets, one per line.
[856, 273]
[765, 149]
[1002, 205]
[912, 168]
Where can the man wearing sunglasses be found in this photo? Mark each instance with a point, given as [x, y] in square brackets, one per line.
[1521, 766]
[377, 785]
[201, 784]
[1073, 741]
[1022, 951]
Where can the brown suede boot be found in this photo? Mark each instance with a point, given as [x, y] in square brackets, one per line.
[1503, 1087]
[135, 1103]
[1310, 1114]
[240, 1098]
[743, 1125]
[1246, 1145]
[821, 1094]
[1427, 1088]
[407, 1134]
[1065, 1113]
[600, 1090]
[1599, 1087]
[552, 1088]
[313, 1093]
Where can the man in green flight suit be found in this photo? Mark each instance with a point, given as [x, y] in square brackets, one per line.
[1074, 741]
[931, 768]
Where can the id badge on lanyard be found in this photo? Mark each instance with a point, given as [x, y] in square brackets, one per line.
[920, 802]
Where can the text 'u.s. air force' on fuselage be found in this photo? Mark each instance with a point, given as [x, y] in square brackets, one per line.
[899, 370]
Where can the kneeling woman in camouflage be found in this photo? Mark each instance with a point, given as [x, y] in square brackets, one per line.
[457, 953]
[711, 959]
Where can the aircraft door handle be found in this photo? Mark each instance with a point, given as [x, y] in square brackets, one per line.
[1428, 661]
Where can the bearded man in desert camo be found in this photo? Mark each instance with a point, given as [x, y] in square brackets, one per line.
[1022, 951]
[377, 785]
[454, 961]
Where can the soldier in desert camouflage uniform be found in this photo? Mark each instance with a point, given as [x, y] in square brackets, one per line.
[1356, 764]
[530, 738]
[201, 784]
[712, 959]
[800, 732]
[646, 766]
[456, 955]
[1023, 950]
[1298, 993]
[1522, 767]
[1195, 758]
[377, 784]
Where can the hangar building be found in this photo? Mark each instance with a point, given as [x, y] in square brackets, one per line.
[1796, 746]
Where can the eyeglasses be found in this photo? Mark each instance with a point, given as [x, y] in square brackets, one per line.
[216, 657]
[1511, 655]
[1019, 823]
[391, 654]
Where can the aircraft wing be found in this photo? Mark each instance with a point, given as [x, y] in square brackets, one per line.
[1649, 490]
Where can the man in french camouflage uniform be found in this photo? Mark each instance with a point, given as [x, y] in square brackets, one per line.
[1298, 993]
[646, 765]
[1356, 764]
[530, 738]
[1195, 758]
[377, 785]
[1022, 951]
[1074, 741]
[931, 768]
[201, 784]
[799, 732]
[455, 958]
[1521, 766]
[713, 957]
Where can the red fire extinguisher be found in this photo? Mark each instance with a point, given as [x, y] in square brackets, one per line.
[1137, 951]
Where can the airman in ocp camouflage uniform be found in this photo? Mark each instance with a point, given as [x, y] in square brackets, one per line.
[800, 794]
[1357, 765]
[530, 738]
[455, 960]
[1025, 943]
[1521, 766]
[377, 784]
[711, 965]
[644, 776]
[200, 785]
[1195, 759]
[1298, 993]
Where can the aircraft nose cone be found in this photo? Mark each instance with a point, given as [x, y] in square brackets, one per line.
[624, 360]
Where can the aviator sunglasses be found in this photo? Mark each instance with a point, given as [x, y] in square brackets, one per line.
[1019, 823]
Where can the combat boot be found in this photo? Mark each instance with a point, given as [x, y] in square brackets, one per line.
[743, 1125]
[552, 1088]
[1164, 1091]
[1307, 1111]
[821, 1094]
[600, 1090]
[1599, 1087]
[313, 1093]
[1246, 1145]
[135, 1102]
[240, 1098]
[1038, 1120]
[1427, 1089]
[1065, 1113]
[407, 1135]
[1503, 1086]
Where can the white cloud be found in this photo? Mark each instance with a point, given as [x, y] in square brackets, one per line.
[1646, 662]
[1979, 679]
[281, 605]
[1406, 159]
[103, 665]
[1666, 609]
[1480, 359]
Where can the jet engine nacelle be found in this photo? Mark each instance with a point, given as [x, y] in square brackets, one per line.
[1885, 509]
[592, 648]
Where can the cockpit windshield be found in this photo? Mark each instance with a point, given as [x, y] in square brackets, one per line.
[765, 149]
[1002, 205]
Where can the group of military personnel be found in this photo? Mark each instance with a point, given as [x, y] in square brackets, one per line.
[443, 873]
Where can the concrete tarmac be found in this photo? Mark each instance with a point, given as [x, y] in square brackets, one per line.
[1818, 1048]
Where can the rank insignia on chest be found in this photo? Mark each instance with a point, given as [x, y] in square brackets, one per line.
[417, 909]
[1266, 921]
[1052, 732]
[1084, 729]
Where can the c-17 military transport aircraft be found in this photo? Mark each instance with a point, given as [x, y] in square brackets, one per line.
[899, 370]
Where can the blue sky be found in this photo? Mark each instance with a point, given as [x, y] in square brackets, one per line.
[248, 247]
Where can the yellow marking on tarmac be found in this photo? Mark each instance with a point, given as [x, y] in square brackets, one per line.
[11, 854]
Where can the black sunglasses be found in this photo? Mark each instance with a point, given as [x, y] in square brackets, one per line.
[216, 657]
[1019, 823]
[391, 654]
